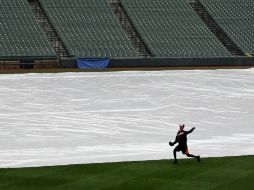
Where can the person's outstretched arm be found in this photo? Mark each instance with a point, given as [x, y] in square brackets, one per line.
[190, 131]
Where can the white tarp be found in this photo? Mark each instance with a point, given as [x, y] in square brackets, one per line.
[70, 118]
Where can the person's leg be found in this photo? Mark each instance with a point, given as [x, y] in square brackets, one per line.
[191, 155]
[177, 148]
[175, 159]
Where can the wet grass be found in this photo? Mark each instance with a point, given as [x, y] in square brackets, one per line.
[232, 173]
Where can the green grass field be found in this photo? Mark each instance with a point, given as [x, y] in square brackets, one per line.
[212, 173]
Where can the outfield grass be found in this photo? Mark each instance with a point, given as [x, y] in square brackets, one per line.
[212, 173]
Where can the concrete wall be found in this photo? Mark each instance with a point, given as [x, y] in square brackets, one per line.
[169, 62]
[182, 62]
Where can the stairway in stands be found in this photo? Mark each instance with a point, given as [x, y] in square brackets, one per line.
[129, 29]
[217, 31]
[49, 30]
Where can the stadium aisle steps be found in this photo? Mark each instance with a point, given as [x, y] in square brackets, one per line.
[215, 29]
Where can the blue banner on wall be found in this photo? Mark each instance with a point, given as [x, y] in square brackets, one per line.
[92, 63]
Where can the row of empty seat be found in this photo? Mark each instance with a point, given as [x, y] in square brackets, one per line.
[88, 28]
[172, 28]
[20, 34]
[236, 18]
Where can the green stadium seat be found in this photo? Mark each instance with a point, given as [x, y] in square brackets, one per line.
[171, 28]
[20, 34]
[88, 28]
[235, 18]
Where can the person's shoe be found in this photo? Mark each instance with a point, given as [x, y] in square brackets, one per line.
[198, 158]
[175, 162]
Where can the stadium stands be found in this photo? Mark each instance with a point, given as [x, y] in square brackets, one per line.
[20, 34]
[88, 28]
[171, 28]
[173, 32]
[235, 17]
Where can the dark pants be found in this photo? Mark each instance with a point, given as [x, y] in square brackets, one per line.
[184, 149]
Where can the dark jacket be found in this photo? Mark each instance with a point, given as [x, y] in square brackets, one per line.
[181, 137]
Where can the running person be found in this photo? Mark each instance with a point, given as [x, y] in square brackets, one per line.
[181, 139]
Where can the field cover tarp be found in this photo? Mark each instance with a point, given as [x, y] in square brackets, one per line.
[71, 118]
